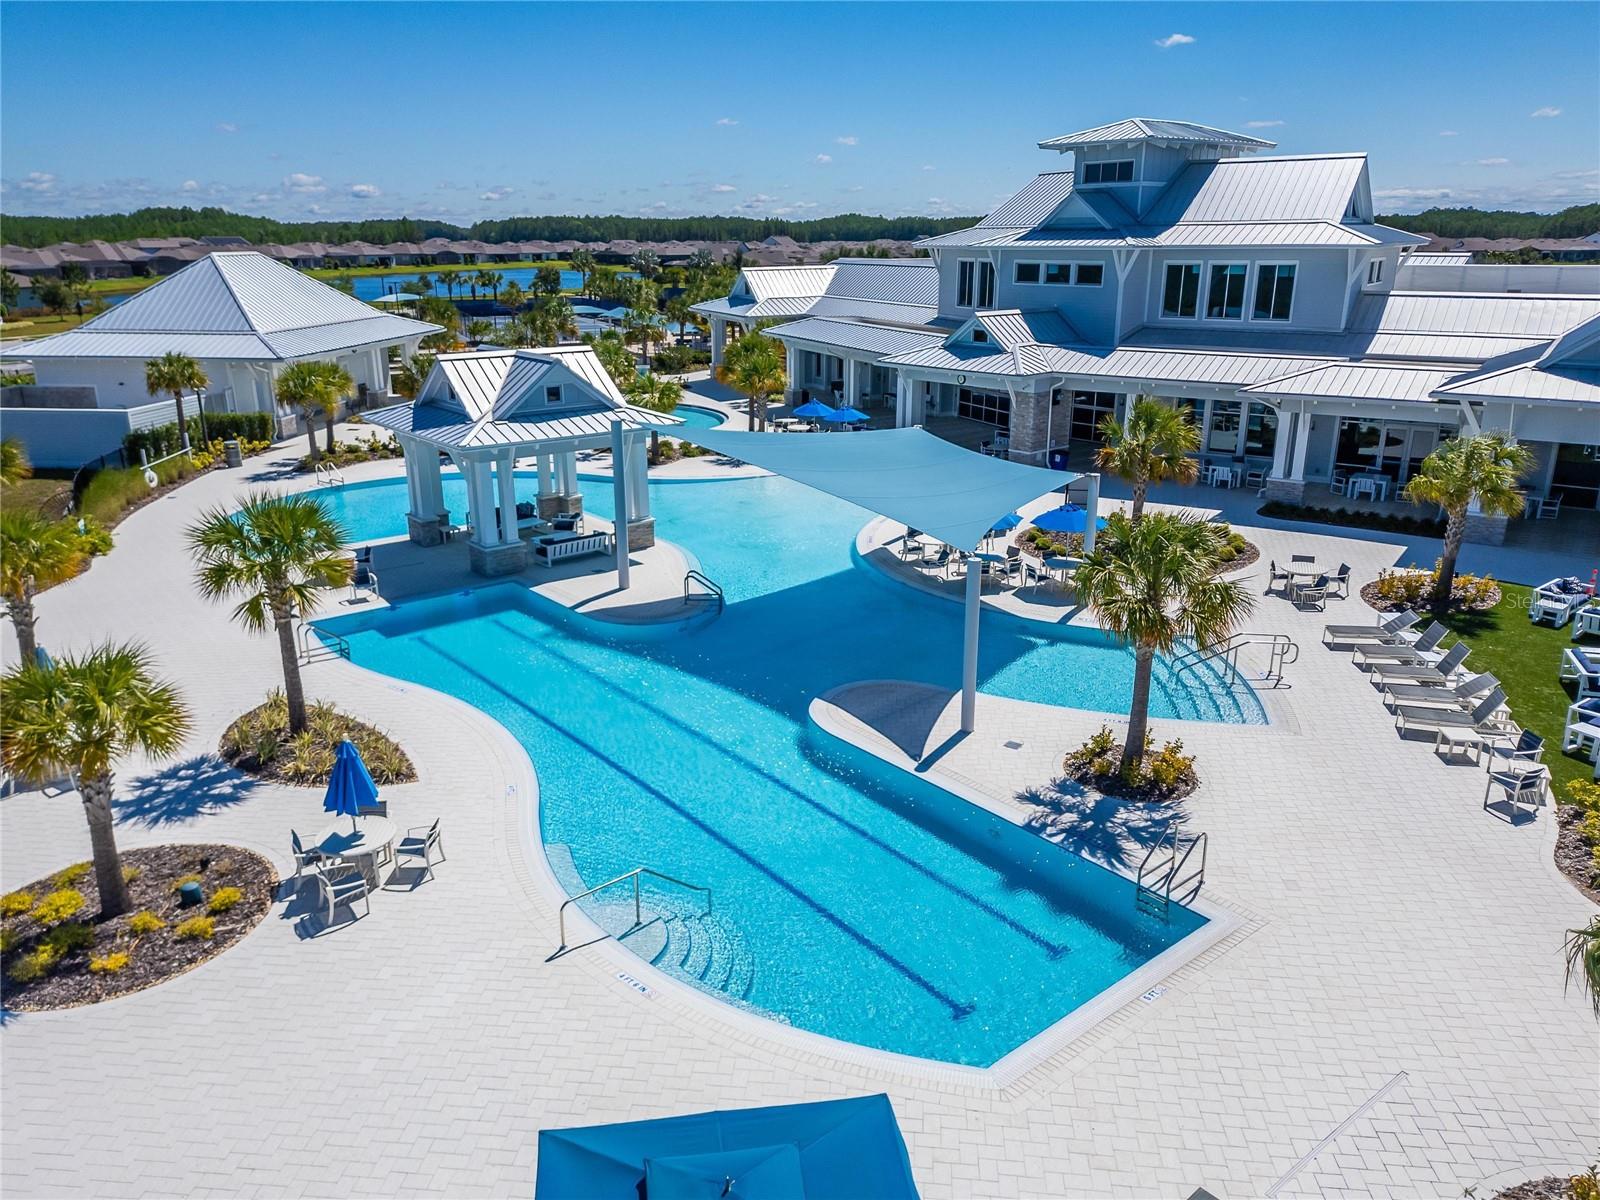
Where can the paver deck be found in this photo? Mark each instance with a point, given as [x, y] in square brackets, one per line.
[1392, 1024]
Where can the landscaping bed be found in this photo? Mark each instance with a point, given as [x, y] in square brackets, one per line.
[1165, 775]
[1393, 591]
[59, 954]
[259, 744]
[1352, 518]
[1234, 554]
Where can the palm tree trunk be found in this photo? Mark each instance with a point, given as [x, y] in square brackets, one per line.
[20, 609]
[177, 400]
[1138, 711]
[1453, 531]
[330, 429]
[294, 693]
[311, 436]
[1140, 487]
[96, 793]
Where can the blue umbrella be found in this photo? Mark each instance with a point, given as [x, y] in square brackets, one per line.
[1069, 518]
[1006, 523]
[42, 659]
[350, 786]
[814, 408]
[846, 416]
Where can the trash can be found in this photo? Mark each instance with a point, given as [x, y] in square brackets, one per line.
[230, 451]
[1058, 460]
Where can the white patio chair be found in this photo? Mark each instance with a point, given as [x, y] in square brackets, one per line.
[303, 858]
[1519, 789]
[1550, 508]
[422, 842]
[342, 884]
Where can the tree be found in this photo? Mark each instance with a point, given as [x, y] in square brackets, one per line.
[80, 716]
[53, 294]
[1482, 470]
[754, 365]
[439, 311]
[700, 263]
[548, 319]
[10, 290]
[678, 311]
[178, 373]
[583, 262]
[486, 279]
[658, 395]
[548, 280]
[277, 555]
[76, 279]
[1150, 584]
[314, 389]
[1583, 960]
[423, 284]
[1153, 445]
[512, 297]
[480, 330]
[409, 376]
[643, 325]
[647, 263]
[344, 282]
[34, 554]
[14, 464]
[615, 357]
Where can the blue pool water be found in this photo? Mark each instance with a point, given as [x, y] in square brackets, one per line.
[847, 900]
[695, 417]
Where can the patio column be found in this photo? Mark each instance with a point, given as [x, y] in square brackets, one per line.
[619, 499]
[791, 358]
[719, 341]
[1091, 504]
[487, 553]
[425, 494]
[641, 525]
[505, 476]
[969, 649]
[1302, 443]
[852, 380]
[902, 400]
[547, 503]
[568, 497]
[1280, 447]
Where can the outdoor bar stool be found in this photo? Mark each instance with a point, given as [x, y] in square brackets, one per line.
[1519, 788]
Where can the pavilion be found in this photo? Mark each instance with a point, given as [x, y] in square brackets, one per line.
[911, 476]
[485, 410]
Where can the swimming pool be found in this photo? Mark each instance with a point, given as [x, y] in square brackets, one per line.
[955, 935]
[695, 417]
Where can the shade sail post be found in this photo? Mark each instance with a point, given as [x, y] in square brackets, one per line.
[619, 499]
[1091, 520]
[969, 652]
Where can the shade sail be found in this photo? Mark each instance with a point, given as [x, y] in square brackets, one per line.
[832, 1150]
[907, 475]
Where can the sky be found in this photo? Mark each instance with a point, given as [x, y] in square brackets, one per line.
[468, 111]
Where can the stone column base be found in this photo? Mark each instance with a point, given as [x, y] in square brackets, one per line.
[548, 506]
[642, 533]
[497, 560]
[1032, 458]
[424, 531]
[1288, 491]
[569, 503]
[1485, 530]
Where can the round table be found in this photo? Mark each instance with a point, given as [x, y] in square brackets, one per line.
[1308, 569]
[366, 844]
[1062, 565]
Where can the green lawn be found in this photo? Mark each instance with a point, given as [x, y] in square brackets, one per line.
[1526, 658]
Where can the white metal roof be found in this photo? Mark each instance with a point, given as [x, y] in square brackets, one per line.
[1032, 205]
[1013, 327]
[1527, 375]
[1152, 129]
[854, 335]
[1360, 381]
[1124, 363]
[897, 289]
[1308, 188]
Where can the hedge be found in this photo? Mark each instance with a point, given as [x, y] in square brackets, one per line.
[1389, 522]
[162, 440]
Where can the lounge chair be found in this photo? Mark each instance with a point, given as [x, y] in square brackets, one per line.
[1440, 695]
[1483, 716]
[1578, 666]
[1582, 731]
[1557, 600]
[1386, 631]
[1423, 650]
[1438, 673]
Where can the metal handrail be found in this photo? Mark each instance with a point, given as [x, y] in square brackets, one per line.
[1281, 650]
[328, 470]
[341, 645]
[1166, 876]
[638, 912]
[712, 590]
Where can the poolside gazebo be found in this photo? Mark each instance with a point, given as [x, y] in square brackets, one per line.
[485, 411]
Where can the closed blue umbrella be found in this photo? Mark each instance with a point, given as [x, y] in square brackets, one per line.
[812, 409]
[1069, 518]
[350, 786]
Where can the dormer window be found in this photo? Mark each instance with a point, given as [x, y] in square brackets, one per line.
[1115, 171]
[1375, 271]
[980, 335]
[552, 395]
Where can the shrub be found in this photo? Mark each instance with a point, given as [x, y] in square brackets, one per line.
[1169, 767]
[223, 899]
[145, 922]
[177, 884]
[14, 904]
[68, 876]
[58, 906]
[35, 964]
[68, 939]
[10, 938]
[1585, 794]
[129, 874]
[1427, 526]
[195, 928]
[259, 742]
[679, 360]
[109, 964]
[1098, 747]
[162, 440]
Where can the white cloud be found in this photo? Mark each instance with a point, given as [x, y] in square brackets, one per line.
[190, 185]
[497, 193]
[824, 159]
[723, 188]
[1449, 133]
[1546, 111]
[1493, 162]
[848, 139]
[1262, 124]
[726, 121]
[1404, 194]
[227, 127]
[1174, 39]
[38, 182]
[303, 185]
[365, 191]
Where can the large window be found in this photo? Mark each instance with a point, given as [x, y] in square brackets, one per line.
[974, 283]
[1058, 273]
[1261, 430]
[1222, 436]
[1089, 409]
[1080, 274]
[1274, 291]
[1225, 294]
[985, 285]
[966, 271]
[1181, 295]
[1089, 274]
[1119, 171]
[989, 407]
[1027, 272]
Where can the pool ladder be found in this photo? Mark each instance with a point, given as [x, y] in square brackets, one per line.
[1281, 650]
[638, 909]
[317, 644]
[710, 592]
[1166, 875]
[328, 475]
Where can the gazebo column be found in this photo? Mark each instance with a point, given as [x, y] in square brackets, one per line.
[719, 341]
[487, 553]
[1091, 505]
[619, 497]
[568, 498]
[425, 490]
[548, 503]
[852, 381]
[791, 362]
[969, 646]
[505, 476]
[902, 400]
[641, 525]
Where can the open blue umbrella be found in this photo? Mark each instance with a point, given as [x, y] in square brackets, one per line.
[1006, 523]
[350, 786]
[812, 409]
[1069, 518]
[847, 415]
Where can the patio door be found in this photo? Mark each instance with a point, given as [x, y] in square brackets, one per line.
[1088, 410]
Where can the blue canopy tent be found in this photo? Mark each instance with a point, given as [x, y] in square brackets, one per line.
[831, 1150]
[350, 786]
[913, 477]
[1068, 518]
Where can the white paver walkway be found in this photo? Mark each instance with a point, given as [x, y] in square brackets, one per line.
[1402, 968]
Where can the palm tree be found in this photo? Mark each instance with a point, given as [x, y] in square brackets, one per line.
[34, 553]
[480, 330]
[658, 395]
[643, 325]
[1485, 470]
[14, 464]
[548, 280]
[486, 279]
[79, 716]
[1583, 959]
[314, 389]
[583, 262]
[1152, 583]
[443, 312]
[615, 357]
[423, 284]
[512, 297]
[647, 263]
[755, 366]
[548, 319]
[277, 554]
[678, 311]
[407, 379]
[1153, 445]
[178, 373]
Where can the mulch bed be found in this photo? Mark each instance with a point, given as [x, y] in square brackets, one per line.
[1574, 852]
[1551, 1187]
[1113, 784]
[154, 956]
[1250, 555]
[1369, 593]
[259, 744]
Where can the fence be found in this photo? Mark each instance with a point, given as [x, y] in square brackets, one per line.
[56, 437]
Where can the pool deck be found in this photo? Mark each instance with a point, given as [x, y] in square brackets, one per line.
[1391, 1020]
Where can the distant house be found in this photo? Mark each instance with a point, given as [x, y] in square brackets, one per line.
[242, 315]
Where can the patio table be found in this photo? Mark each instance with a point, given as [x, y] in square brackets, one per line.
[1061, 566]
[371, 836]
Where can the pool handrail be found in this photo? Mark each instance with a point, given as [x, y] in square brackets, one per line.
[638, 912]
